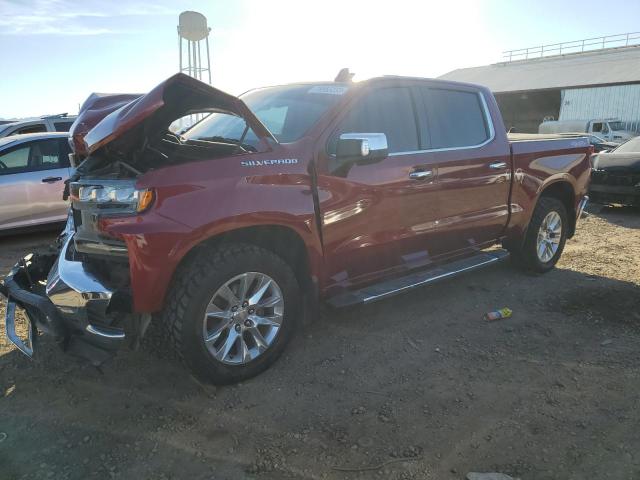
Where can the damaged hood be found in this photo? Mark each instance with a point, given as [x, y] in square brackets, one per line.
[94, 109]
[128, 125]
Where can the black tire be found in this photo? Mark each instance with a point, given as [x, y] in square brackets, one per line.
[196, 283]
[526, 256]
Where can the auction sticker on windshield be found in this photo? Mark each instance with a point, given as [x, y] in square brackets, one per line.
[328, 89]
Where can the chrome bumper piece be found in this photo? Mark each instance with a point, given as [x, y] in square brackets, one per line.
[74, 305]
[76, 292]
[581, 206]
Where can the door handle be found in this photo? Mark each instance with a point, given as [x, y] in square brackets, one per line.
[51, 179]
[498, 165]
[421, 174]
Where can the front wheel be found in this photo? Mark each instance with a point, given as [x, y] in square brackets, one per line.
[546, 236]
[232, 312]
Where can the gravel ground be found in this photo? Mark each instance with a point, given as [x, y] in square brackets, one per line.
[416, 387]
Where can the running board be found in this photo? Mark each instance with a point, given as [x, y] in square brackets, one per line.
[395, 286]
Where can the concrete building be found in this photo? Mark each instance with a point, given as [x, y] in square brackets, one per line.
[568, 81]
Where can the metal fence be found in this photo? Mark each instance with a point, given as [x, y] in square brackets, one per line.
[576, 46]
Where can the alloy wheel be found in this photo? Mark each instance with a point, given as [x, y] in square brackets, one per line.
[243, 318]
[549, 236]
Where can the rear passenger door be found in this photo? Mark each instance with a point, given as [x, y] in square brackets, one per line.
[473, 169]
[377, 218]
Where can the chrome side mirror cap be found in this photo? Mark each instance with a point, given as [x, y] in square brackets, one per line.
[362, 148]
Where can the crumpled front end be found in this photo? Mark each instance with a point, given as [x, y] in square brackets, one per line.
[615, 178]
[64, 296]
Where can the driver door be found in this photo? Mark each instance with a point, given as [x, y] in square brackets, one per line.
[377, 218]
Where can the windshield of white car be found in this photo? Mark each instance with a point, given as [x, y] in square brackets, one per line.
[287, 111]
[631, 146]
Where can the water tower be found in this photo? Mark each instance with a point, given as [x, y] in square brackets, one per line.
[193, 29]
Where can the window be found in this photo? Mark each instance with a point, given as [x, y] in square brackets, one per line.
[455, 118]
[389, 111]
[597, 127]
[631, 146]
[36, 128]
[17, 159]
[288, 112]
[40, 155]
[63, 126]
[222, 127]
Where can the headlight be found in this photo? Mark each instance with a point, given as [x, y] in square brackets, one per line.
[123, 197]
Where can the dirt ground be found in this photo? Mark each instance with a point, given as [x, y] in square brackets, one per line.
[419, 384]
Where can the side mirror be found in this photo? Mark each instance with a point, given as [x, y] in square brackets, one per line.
[361, 148]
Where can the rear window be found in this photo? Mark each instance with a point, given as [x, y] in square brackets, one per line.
[63, 126]
[456, 118]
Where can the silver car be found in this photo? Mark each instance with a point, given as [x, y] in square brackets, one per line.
[33, 168]
[49, 123]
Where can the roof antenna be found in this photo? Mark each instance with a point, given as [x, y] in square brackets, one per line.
[344, 76]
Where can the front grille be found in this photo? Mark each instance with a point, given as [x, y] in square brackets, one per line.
[616, 179]
[77, 218]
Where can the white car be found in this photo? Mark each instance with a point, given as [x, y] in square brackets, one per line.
[33, 168]
[50, 123]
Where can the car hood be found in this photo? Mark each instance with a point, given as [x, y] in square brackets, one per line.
[129, 125]
[95, 108]
[617, 162]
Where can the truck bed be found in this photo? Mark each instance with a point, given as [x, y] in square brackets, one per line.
[527, 137]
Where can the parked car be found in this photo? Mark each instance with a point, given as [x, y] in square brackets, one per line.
[615, 178]
[33, 168]
[600, 144]
[612, 130]
[336, 192]
[50, 123]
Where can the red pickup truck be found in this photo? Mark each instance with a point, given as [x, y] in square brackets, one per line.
[232, 230]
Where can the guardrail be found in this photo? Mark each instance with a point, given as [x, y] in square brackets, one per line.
[575, 46]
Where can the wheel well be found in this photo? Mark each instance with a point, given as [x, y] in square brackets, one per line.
[563, 191]
[282, 241]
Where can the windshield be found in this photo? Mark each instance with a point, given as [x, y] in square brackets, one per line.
[632, 146]
[616, 125]
[287, 111]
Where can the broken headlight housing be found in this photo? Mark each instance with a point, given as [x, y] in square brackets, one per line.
[120, 196]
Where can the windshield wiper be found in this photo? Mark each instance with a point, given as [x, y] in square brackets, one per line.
[234, 141]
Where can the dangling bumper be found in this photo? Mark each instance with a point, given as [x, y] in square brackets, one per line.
[64, 298]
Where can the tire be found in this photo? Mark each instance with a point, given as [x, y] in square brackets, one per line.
[527, 255]
[196, 289]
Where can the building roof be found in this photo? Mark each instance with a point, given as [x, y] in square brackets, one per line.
[600, 67]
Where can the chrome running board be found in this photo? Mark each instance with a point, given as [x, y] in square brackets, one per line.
[396, 286]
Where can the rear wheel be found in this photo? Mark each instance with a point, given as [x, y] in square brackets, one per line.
[546, 236]
[232, 312]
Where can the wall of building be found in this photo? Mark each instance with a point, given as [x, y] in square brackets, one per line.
[618, 101]
[523, 112]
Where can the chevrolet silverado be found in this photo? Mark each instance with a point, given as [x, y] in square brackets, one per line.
[231, 231]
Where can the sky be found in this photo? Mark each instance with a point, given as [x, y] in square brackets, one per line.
[56, 52]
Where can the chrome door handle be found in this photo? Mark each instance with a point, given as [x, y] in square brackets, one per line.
[51, 179]
[421, 174]
[498, 165]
